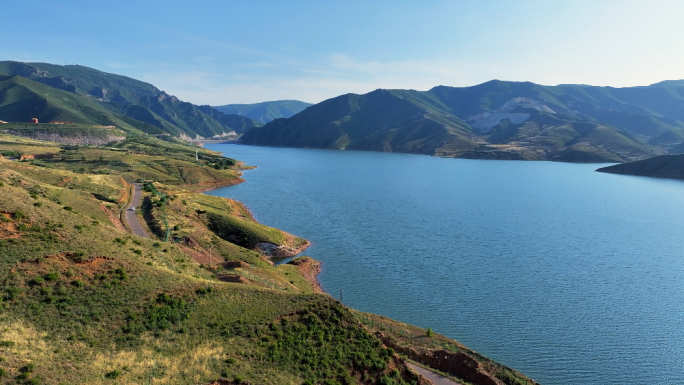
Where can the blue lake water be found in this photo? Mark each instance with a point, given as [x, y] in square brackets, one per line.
[565, 274]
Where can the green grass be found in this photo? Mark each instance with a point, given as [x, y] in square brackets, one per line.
[82, 302]
[242, 232]
[99, 307]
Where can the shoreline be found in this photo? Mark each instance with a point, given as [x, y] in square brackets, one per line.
[434, 363]
[215, 185]
[309, 270]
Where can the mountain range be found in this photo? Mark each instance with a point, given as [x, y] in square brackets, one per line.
[85, 95]
[494, 120]
[266, 111]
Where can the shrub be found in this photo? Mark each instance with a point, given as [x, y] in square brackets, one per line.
[120, 241]
[18, 215]
[12, 293]
[51, 276]
[6, 344]
[113, 374]
[37, 281]
[78, 283]
[38, 204]
[120, 274]
[204, 290]
[68, 208]
[429, 332]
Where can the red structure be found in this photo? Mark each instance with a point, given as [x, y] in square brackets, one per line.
[34, 120]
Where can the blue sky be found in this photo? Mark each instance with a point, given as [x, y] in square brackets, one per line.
[220, 52]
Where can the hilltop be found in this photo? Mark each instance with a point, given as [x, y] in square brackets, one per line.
[96, 96]
[493, 120]
[266, 111]
[85, 301]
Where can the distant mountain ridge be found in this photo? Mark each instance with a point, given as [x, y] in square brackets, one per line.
[129, 99]
[266, 111]
[494, 120]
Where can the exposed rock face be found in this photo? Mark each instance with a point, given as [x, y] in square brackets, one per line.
[485, 120]
[27, 157]
[459, 364]
[276, 251]
[85, 138]
[310, 268]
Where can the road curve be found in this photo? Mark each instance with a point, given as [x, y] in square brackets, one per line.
[436, 379]
[130, 216]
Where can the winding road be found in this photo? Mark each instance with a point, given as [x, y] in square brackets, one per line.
[131, 216]
[136, 228]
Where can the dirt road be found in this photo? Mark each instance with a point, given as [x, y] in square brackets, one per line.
[130, 216]
[437, 379]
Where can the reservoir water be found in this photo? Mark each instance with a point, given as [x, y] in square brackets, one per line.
[568, 275]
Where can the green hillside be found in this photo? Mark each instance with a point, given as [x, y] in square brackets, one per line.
[266, 111]
[664, 166]
[22, 99]
[493, 120]
[381, 120]
[129, 97]
[85, 301]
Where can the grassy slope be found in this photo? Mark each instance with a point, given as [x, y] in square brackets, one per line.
[22, 99]
[83, 301]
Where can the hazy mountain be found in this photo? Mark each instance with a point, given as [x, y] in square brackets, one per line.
[266, 111]
[132, 98]
[493, 120]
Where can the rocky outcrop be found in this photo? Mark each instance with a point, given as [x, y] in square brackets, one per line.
[310, 268]
[458, 364]
[278, 251]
